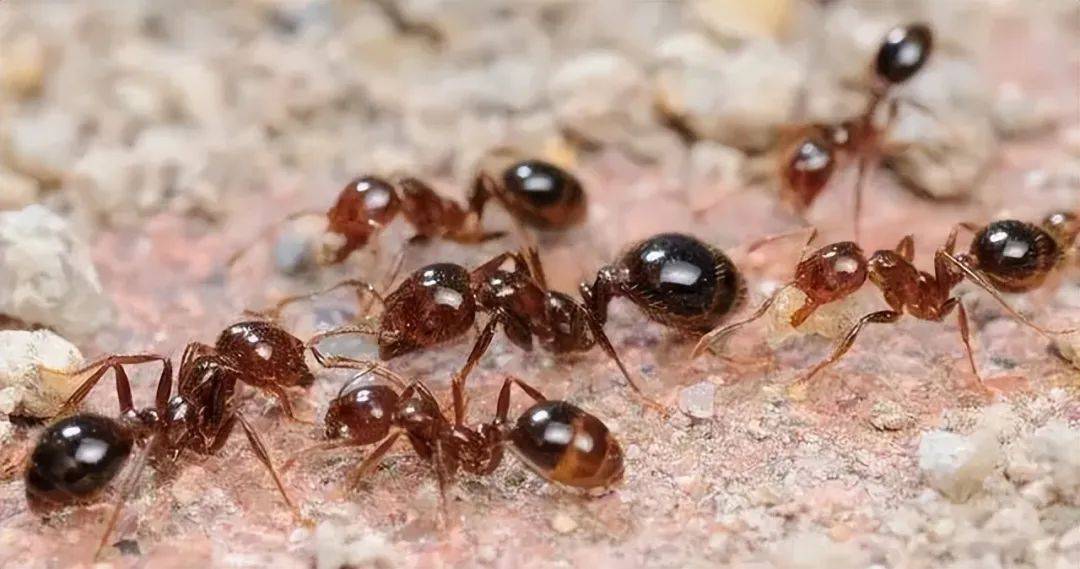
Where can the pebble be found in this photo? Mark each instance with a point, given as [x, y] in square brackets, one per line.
[563, 523]
[957, 465]
[47, 276]
[25, 390]
[890, 416]
[698, 400]
[40, 145]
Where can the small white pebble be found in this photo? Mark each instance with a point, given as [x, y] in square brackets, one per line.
[698, 399]
[563, 523]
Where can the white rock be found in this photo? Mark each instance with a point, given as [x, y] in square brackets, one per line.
[814, 551]
[46, 274]
[340, 546]
[24, 389]
[698, 400]
[740, 99]
[602, 96]
[957, 465]
[1017, 114]
[42, 146]
[1054, 449]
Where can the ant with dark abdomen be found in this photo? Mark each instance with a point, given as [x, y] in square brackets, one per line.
[200, 417]
[534, 192]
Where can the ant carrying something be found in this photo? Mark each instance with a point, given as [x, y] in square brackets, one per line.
[840, 269]
[79, 455]
[557, 440]
[812, 156]
[534, 192]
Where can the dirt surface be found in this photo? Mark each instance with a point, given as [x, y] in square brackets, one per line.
[741, 475]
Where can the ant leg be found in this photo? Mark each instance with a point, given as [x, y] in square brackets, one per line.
[976, 277]
[286, 405]
[532, 261]
[126, 490]
[365, 366]
[265, 232]
[761, 242]
[480, 346]
[363, 329]
[880, 317]
[360, 285]
[318, 447]
[860, 182]
[261, 453]
[705, 343]
[443, 475]
[372, 460]
[965, 334]
[503, 406]
[605, 344]
[100, 367]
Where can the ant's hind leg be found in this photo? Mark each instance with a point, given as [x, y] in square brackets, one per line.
[880, 317]
[263, 455]
[357, 476]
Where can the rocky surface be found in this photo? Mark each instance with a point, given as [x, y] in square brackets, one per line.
[165, 134]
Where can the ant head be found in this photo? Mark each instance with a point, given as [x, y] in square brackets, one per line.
[1064, 226]
[364, 415]
[363, 204]
[77, 457]
[903, 52]
[435, 304]
[542, 194]
[808, 170]
[832, 272]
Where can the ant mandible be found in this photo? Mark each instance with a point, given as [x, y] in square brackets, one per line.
[810, 160]
[200, 417]
[534, 192]
[439, 302]
[557, 440]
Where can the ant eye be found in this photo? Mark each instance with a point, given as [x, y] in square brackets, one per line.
[904, 52]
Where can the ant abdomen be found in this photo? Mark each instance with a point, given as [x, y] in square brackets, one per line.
[435, 304]
[565, 444]
[77, 457]
[543, 195]
[1015, 256]
[265, 351]
[904, 52]
[680, 281]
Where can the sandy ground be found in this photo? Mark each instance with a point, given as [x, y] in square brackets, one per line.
[741, 476]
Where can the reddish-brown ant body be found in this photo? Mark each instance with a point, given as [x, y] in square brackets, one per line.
[439, 302]
[812, 155]
[534, 192]
[838, 270]
[200, 417]
[559, 441]
[676, 279]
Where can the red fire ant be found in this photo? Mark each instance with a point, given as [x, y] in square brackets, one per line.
[838, 270]
[557, 440]
[532, 191]
[79, 455]
[439, 302]
[813, 153]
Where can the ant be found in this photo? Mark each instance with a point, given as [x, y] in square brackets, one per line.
[838, 270]
[676, 279]
[557, 440]
[79, 455]
[439, 302]
[535, 192]
[809, 161]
